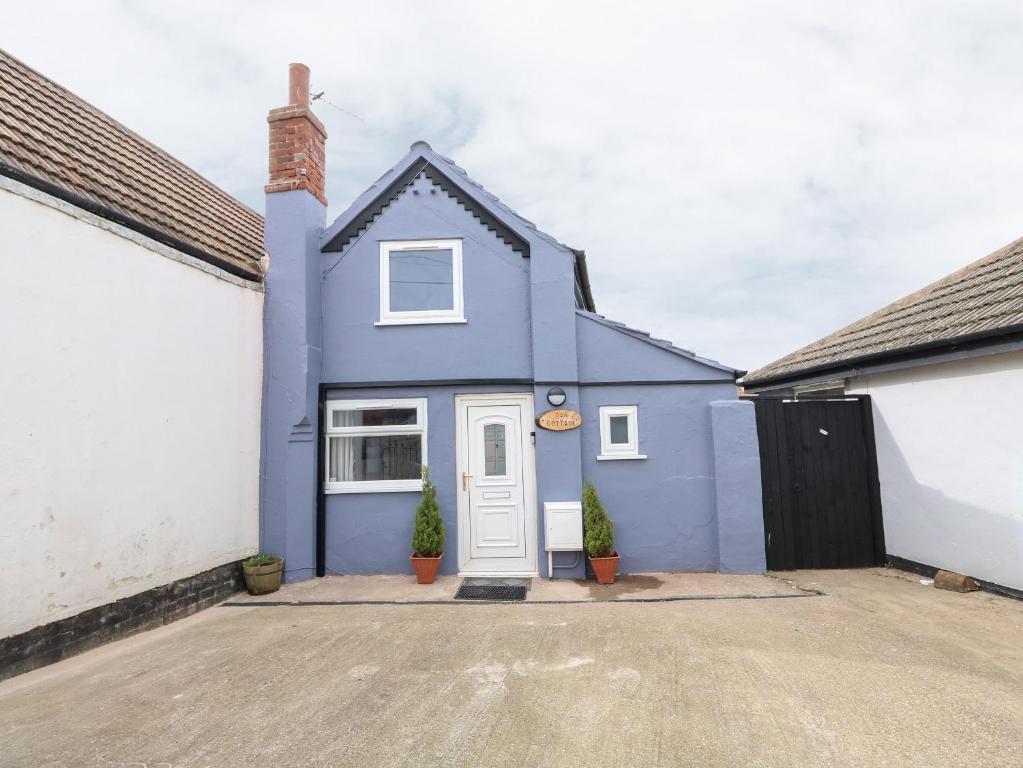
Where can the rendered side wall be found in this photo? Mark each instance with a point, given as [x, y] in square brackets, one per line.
[292, 360]
[494, 343]
[740, 509]
[664, 507]
[692, 505]
[950, 464]
[521, 325]
[129, 422]
[372, 532]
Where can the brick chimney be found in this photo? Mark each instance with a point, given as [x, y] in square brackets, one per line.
[297, 141]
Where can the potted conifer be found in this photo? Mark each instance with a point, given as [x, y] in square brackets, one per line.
[428, 534]
[598, 536]
[263, 573]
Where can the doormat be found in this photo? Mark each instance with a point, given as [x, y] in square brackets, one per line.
[503, 592]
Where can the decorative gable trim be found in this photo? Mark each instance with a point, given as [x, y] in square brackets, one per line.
[485, 217]
[376, 206]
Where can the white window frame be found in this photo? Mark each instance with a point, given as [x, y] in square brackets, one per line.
[421, 317]
[372, 486]
[612, 451]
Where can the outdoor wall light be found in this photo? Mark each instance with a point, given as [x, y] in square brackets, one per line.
[556, 396]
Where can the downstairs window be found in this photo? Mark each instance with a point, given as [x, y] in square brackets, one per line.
[375, 445]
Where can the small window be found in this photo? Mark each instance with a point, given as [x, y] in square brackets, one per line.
[619, 432]
[375, 445]
[421, 282]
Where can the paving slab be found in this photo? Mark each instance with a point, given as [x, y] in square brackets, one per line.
[879, 671]
[644, 586]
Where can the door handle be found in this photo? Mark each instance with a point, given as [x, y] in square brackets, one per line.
[465, 481]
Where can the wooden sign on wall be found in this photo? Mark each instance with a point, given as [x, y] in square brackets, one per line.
[559, 420]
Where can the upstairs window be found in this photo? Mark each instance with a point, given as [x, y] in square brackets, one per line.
[619, 432]
[421, 282]
[375, 445]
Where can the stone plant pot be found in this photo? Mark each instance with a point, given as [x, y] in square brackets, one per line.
[426, 567]
[604, 568]
[264, 579]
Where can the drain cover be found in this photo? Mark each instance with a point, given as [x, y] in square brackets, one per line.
[510, 592]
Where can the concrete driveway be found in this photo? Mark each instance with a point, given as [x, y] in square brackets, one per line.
[879, 671]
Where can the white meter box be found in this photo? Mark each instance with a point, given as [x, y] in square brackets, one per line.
[564, 523]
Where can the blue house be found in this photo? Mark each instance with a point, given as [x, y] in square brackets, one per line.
[429, 324]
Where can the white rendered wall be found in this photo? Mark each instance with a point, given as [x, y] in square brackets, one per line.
[129, 413]
[950, 460]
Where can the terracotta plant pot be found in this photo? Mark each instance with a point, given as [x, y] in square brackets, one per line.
[426, 567]
[263, 579]
[604, 568]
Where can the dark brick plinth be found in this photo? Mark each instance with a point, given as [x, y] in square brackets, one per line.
[146, 610]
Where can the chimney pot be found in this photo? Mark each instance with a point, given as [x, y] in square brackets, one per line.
[298, 85]
[297, 141]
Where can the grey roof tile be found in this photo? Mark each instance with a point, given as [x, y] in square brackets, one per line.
[50, 134]
[984, 296]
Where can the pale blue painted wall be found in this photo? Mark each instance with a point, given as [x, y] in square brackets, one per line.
[559, 475]
[522, 327]
[494, 343]
[664, 506]
[372, 532]
[606, 354]
[740, 513]
[291, 375]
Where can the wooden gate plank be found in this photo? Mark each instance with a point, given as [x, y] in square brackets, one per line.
[845, 506]
[810, 551]
[785, 499]
[845, 440]
[774, 470]
[821, 503]
[768, 482]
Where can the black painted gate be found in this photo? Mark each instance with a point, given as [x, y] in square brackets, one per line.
[822, 503]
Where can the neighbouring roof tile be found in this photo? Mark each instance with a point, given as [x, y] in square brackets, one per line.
[984, 296]
[51, 135]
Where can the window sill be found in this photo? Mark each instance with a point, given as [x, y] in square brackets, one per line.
[624, 456]
[422, 321]
[376, 486]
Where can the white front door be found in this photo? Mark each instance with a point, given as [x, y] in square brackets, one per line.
[497, 507]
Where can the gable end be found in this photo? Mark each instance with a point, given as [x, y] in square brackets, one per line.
[423, 166]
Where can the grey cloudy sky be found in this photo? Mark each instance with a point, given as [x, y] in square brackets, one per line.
[745, 177]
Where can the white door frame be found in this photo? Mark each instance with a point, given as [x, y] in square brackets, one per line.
[462, 404]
